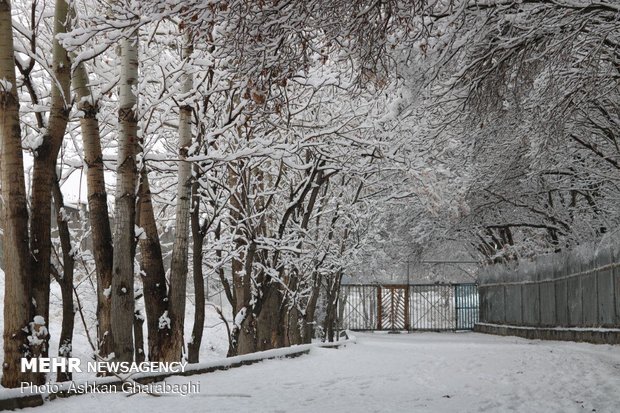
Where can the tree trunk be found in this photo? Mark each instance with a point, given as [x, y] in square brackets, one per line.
[153, 274]
[178, 265]
[237, 293]
[98, 208]
[246, 329]
[138, 321]
[293, 326]
[44, 172]
[15, 243]
[243, 334]
[193, 348]
[331, 317]
[308, 318]
[270, 319]
[122, 310]
[65, 280]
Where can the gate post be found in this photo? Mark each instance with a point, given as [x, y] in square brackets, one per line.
[379, 309]
[407, 307]
[456, 306]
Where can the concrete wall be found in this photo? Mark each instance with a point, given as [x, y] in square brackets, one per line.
[589, 336]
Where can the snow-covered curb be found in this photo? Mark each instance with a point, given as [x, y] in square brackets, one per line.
[11, 399]
[596, 329]
[581, 334]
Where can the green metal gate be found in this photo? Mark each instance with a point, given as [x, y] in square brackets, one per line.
[431, 307]
[466, 306]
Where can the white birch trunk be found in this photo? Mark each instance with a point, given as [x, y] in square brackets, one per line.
[97, 205]
[178, 266]
[122, 311]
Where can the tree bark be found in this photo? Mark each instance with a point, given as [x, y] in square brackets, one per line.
[65, 280]
[178, 265]
[97, 206]
[308, 317]
[270, 319]
[122, 310]
[299, 324]
[153, 274]
[244, 332]
[138, 321]
[44, 173]
[193, 348]
[333, 292]
[15, 244]
[294, 327]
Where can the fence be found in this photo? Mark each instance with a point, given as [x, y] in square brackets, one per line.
[580, 288]
[408, 307]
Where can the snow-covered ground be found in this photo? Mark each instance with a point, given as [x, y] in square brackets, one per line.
[421, 372]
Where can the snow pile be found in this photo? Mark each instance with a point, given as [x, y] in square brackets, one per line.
[164, 321]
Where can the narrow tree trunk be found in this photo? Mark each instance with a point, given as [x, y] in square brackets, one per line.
[122, 311]
[178, 265]
[193, 348]
[292, 316]
[246, 326]
[44, 172]
[15, 243]
[153, 274]
[138, 322]
[243, 334]
[331, 316]
[65, 280]
[308, 318]
[98, 208]
[228, 291]
[293, 325]
[240, 312]
[231, 296]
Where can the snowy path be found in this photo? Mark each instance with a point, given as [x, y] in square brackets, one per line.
[425, 372]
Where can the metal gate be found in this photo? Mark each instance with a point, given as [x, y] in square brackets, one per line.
[466, 304]
[393, 302]
[408, 307]
[358, 305]
[432, 307]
